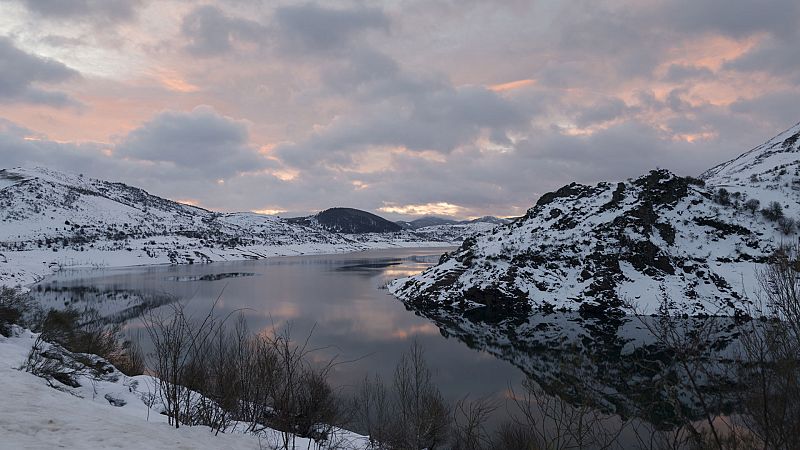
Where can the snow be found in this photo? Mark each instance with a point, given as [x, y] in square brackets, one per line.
[634, 241]
[51, 220]
[36, 416]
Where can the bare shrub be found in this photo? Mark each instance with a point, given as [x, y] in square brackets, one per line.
[773, 211]
[771, 345]
[469, 431]
[13, 306]
[552, 422]
[752, 205]
[787, 225]
[214, 375]
[176, 340]
[410, 413]
[422, 414]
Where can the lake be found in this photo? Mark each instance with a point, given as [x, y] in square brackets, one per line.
[341, 297]
[342, 301]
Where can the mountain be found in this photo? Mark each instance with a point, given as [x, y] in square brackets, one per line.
[348, 220]
[50, 220]
[45, 208]
[427, 221]
[489, 219]
[431, 221]
[654, 241]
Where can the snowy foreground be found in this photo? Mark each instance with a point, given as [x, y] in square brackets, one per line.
[35, 415]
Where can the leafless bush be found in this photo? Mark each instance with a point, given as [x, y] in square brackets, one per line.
[422, 414]
[14, 305]
[214, 375]
[47, 362]
[552, 422]
[771, 345]
[469, 430]
[693, 373]
[787, 225]
[409, 414]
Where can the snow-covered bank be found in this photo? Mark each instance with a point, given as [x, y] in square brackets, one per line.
[104, 412]
[22, 268]
[51, 220]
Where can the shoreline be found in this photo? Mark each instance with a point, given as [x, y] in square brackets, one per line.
[23, 269]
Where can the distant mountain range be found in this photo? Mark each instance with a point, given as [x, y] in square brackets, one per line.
[430, 221]
[693, 244]
[50, 219]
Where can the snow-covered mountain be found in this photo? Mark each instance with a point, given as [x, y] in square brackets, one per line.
[45, 208]
[430, 221]
[660, 239]
[50, 219]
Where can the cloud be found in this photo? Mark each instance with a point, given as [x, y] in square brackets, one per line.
[212, 32]
[438, 119]
[772, 56]
[408, 105]
[442, 208]
[316, 29]
[21, 73]
[780, 107]
[678, 73]
[200, 140]
[604, 110]
[22, 147]
[732, 18]
[97, 10]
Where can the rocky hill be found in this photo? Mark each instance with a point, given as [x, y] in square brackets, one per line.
[348, 220]
[659, 240]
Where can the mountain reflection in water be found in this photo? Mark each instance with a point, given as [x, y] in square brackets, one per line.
[608, 363]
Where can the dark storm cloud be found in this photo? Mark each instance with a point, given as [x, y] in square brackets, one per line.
[201, 140]
[102, 10]
[212, 32]
[313, 28]
[21, 73]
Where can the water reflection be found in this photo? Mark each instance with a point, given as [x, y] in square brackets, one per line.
[626, 365]
[340, 297]
[610, 364]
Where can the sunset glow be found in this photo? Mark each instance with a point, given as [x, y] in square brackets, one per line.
[309, 114]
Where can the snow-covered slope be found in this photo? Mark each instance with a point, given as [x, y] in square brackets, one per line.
[50, 219]
[103, 408]
[769, 172]
[599, 248]
[49, 207]
[768, 160]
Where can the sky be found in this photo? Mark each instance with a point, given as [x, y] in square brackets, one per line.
[404, 108]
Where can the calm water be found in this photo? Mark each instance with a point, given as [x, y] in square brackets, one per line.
[340, 297]
[353, 317]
